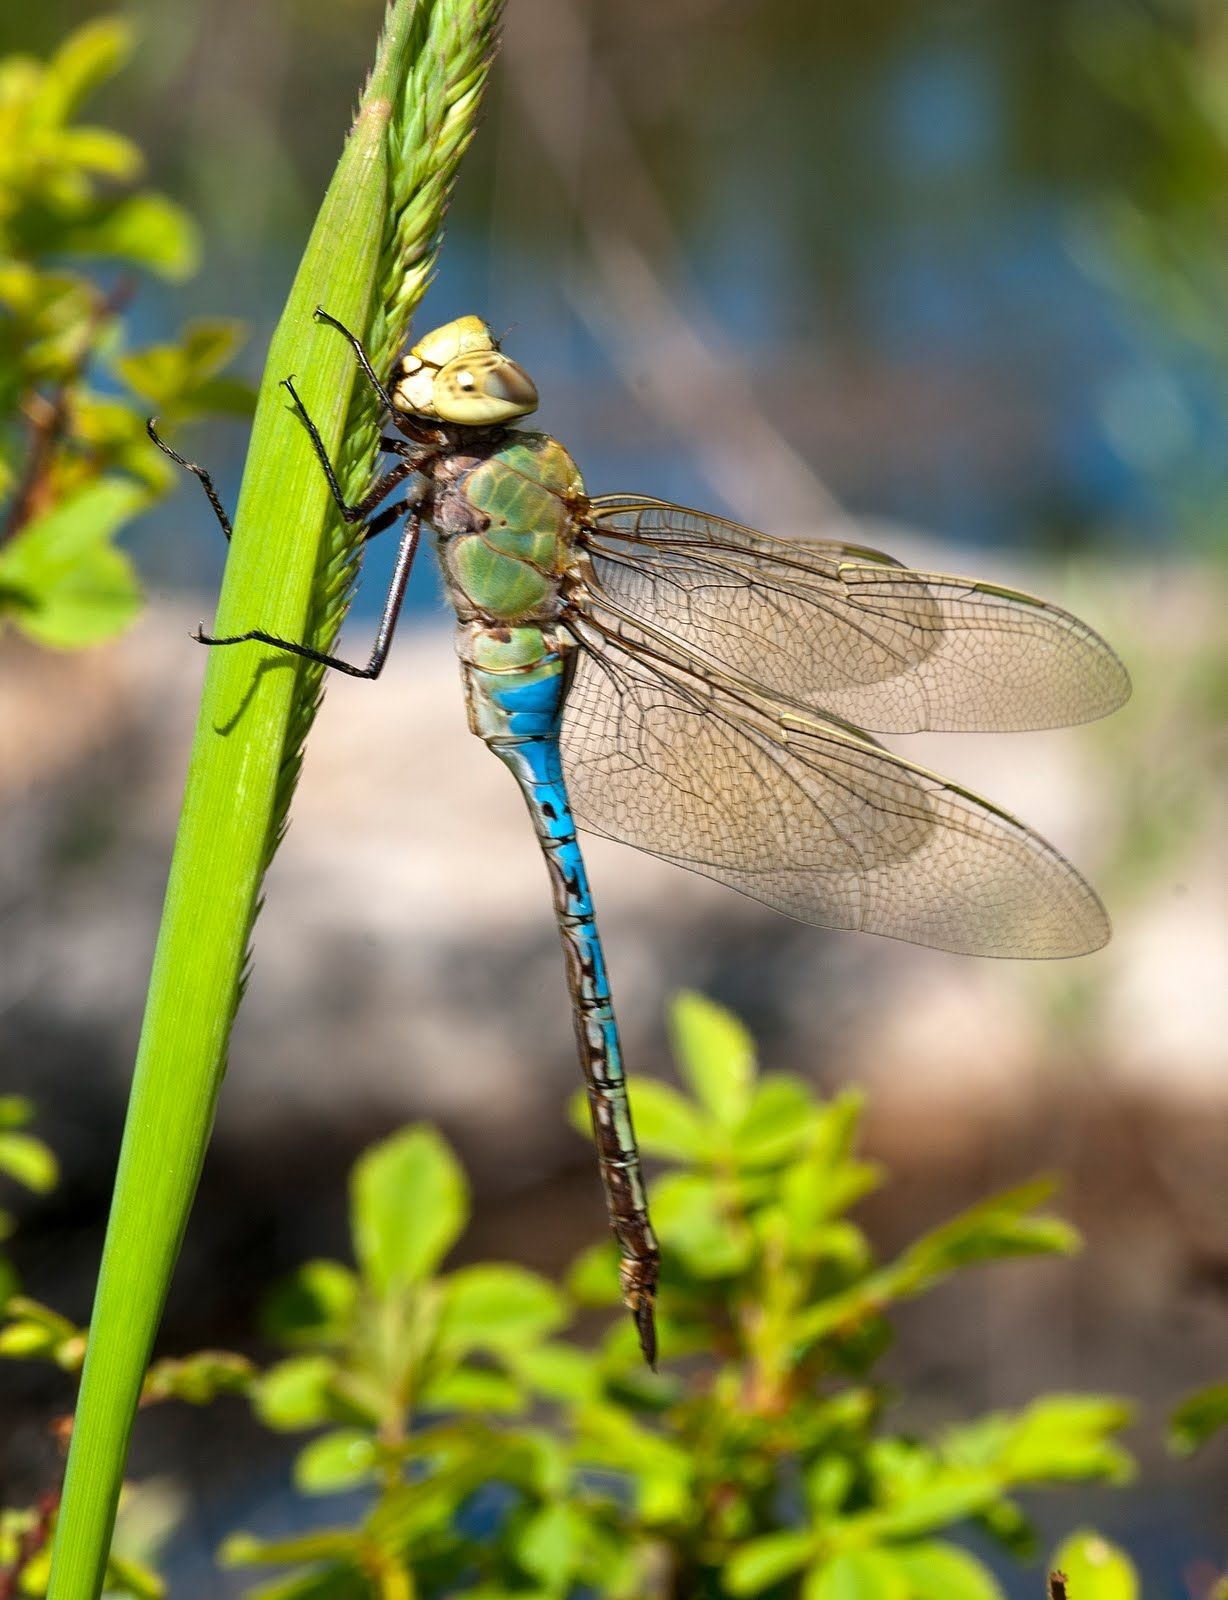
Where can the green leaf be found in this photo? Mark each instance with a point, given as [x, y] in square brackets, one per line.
[472, 1389]
[947, 1497]
[496, 1307]
[550, 1542]
[36, 1332]
[1067, 1438]
[209, 343]
[557, 1371]
[23, 1340]
[856, 1575]
[198, 1379]
[1198, 1417]
[314, 1305]
[592, 1278]
[144, 229]
[716, 1055]
[828, 1482]
[326, 1544]
[666, 1124]
[779, 1121]
[990, 1231]
[74, 589]
[1007, 1525]
[408, 1206]
[172, 376]
[766, 1560]
[1095, 1569]
[295, 1393]
[15, 1111]
[811, 1193]
[339, 1460]
[694, 1223]
[89, 56]
[101, 152]
[29, 1161]
[134, 1578]
[941, 1571]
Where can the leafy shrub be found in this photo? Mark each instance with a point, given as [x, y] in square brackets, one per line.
[503, 1459]
[75, 463]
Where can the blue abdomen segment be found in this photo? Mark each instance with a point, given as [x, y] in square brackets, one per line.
[517, 712]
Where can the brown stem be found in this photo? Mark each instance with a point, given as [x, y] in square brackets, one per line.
[1057, 1586]
[30, 1543]
[48, 418]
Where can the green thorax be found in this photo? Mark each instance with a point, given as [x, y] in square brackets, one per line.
[506, 525]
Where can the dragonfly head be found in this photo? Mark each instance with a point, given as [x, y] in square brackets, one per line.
[459, 374]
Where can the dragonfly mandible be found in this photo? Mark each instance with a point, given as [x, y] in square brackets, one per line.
[686, 685]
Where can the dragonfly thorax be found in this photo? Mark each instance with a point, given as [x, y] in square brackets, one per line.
[506, 515]
[457, 374]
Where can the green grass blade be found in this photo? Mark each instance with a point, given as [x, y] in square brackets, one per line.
[289, 571]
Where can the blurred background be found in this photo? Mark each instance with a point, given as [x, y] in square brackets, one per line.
[949, 277]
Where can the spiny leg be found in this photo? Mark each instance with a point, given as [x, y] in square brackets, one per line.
[380, 489]
[383, 487]
[364, 361]
[206, 482]
[387, 624]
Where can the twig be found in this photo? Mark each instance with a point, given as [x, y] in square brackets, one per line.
[1057, 1586]
[30, 1543]
[47, 422]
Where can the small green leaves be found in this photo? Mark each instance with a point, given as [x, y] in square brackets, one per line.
[87, 58]
[198, 1379]
[314, 1306]
[295, 1393]
[762, 1471]
[998, 1227]
[33, 1332]
[75, 464]
[1095, 1569]
[59, 180]
[857, 1575]
[1197, 1418]
[335, 1461]
[763, 1562]
[24, 1158]
[1066, 1438]
[182, 381]
[716, 1055]
[61, 581]
[939, 1571]
[550, 1545]
[497, 1308]
[408, 1205]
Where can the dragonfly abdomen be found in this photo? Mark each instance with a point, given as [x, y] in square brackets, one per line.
[515, 685]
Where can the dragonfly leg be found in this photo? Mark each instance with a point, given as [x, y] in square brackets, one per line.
[369, 501]
[387, 623]
[206, 482]
[364, 361]
[379, 490]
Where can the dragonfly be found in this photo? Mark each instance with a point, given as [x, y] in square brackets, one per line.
[708, 694]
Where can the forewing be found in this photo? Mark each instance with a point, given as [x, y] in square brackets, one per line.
[810, 819]
[841, 629]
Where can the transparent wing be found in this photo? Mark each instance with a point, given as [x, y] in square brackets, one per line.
[845, 630]
[810, 818]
